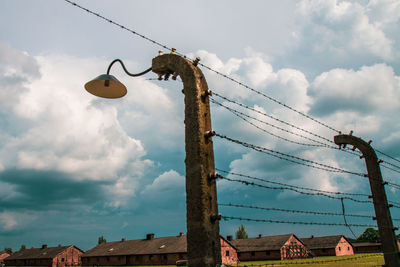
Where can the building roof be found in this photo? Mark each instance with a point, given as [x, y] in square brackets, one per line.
[261, 243]
[162, 245]
[38, 253]
[323, 241]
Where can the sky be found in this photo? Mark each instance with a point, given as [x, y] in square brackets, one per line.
[74, 167]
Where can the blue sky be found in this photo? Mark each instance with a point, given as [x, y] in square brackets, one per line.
[74, 167]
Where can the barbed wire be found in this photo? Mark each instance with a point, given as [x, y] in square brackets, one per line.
[203, 65]
[241, 114]
[215, 71]
[293, 211]
[391, 157]
[290, 158]
[271, 117]
[389, 168]
[245, 182]
[344, 218]
[295, 186]
[292, 222]
[390, 164]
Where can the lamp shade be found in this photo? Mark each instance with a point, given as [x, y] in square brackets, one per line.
[106, 86]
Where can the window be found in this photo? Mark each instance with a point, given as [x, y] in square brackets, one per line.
[62, 259]
[108, 258]
[253, 253]
[137, 257]
[165, 256]
[267, 252]
[348, 248]
[227, 253]
[340, 248]
[150, 257]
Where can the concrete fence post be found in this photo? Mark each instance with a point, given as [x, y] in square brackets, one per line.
[203, 241]
[382, 212]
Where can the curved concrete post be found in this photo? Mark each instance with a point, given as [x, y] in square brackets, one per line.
[203, 241]
[382, 212]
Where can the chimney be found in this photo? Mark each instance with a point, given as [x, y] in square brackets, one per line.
[59, 245]
[150, 236]
[229, 238]
[259, 235]
[44, 246]
[123, 239]
[181, 234]
[312, 236]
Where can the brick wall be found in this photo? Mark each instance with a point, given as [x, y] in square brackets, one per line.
[3, 256]
[293, 249]
[70, 257]
[228, 253]
[344, 248]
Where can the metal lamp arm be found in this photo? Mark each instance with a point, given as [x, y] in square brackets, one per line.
[126, 71]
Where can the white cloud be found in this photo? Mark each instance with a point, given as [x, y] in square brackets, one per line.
[12, 220]
[168, 183]
[367, 90]
[344, 28]
[67, 131]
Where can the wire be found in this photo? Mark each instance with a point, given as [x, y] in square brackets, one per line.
[292, 222]
[290, 158]
[205, 66]
[386, 167]
[271, 117]
[345, 221]
[299, 187]
[293, 211]
[240, 115]
[291, 189]
[393, 158]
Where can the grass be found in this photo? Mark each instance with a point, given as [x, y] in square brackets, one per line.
[358, 260]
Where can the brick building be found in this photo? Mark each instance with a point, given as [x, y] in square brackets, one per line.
[280, 247]
[336, 245]
[3, 255]
[60, 256]
[149, 251]
[367, 247]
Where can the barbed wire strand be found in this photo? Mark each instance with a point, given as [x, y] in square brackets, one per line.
[294, 211]
[292, 222]
[391, 157]
[344, 218]
[271, 117]
[289, 188]
[295, 186]
[209, 68]
[242, 115]
[289, 157]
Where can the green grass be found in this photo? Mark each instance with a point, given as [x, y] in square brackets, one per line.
[359, 260]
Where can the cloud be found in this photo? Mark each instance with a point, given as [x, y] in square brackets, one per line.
[46, 190]
[343, 28]
[168, 185]
[364, 91]
[65, 130]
